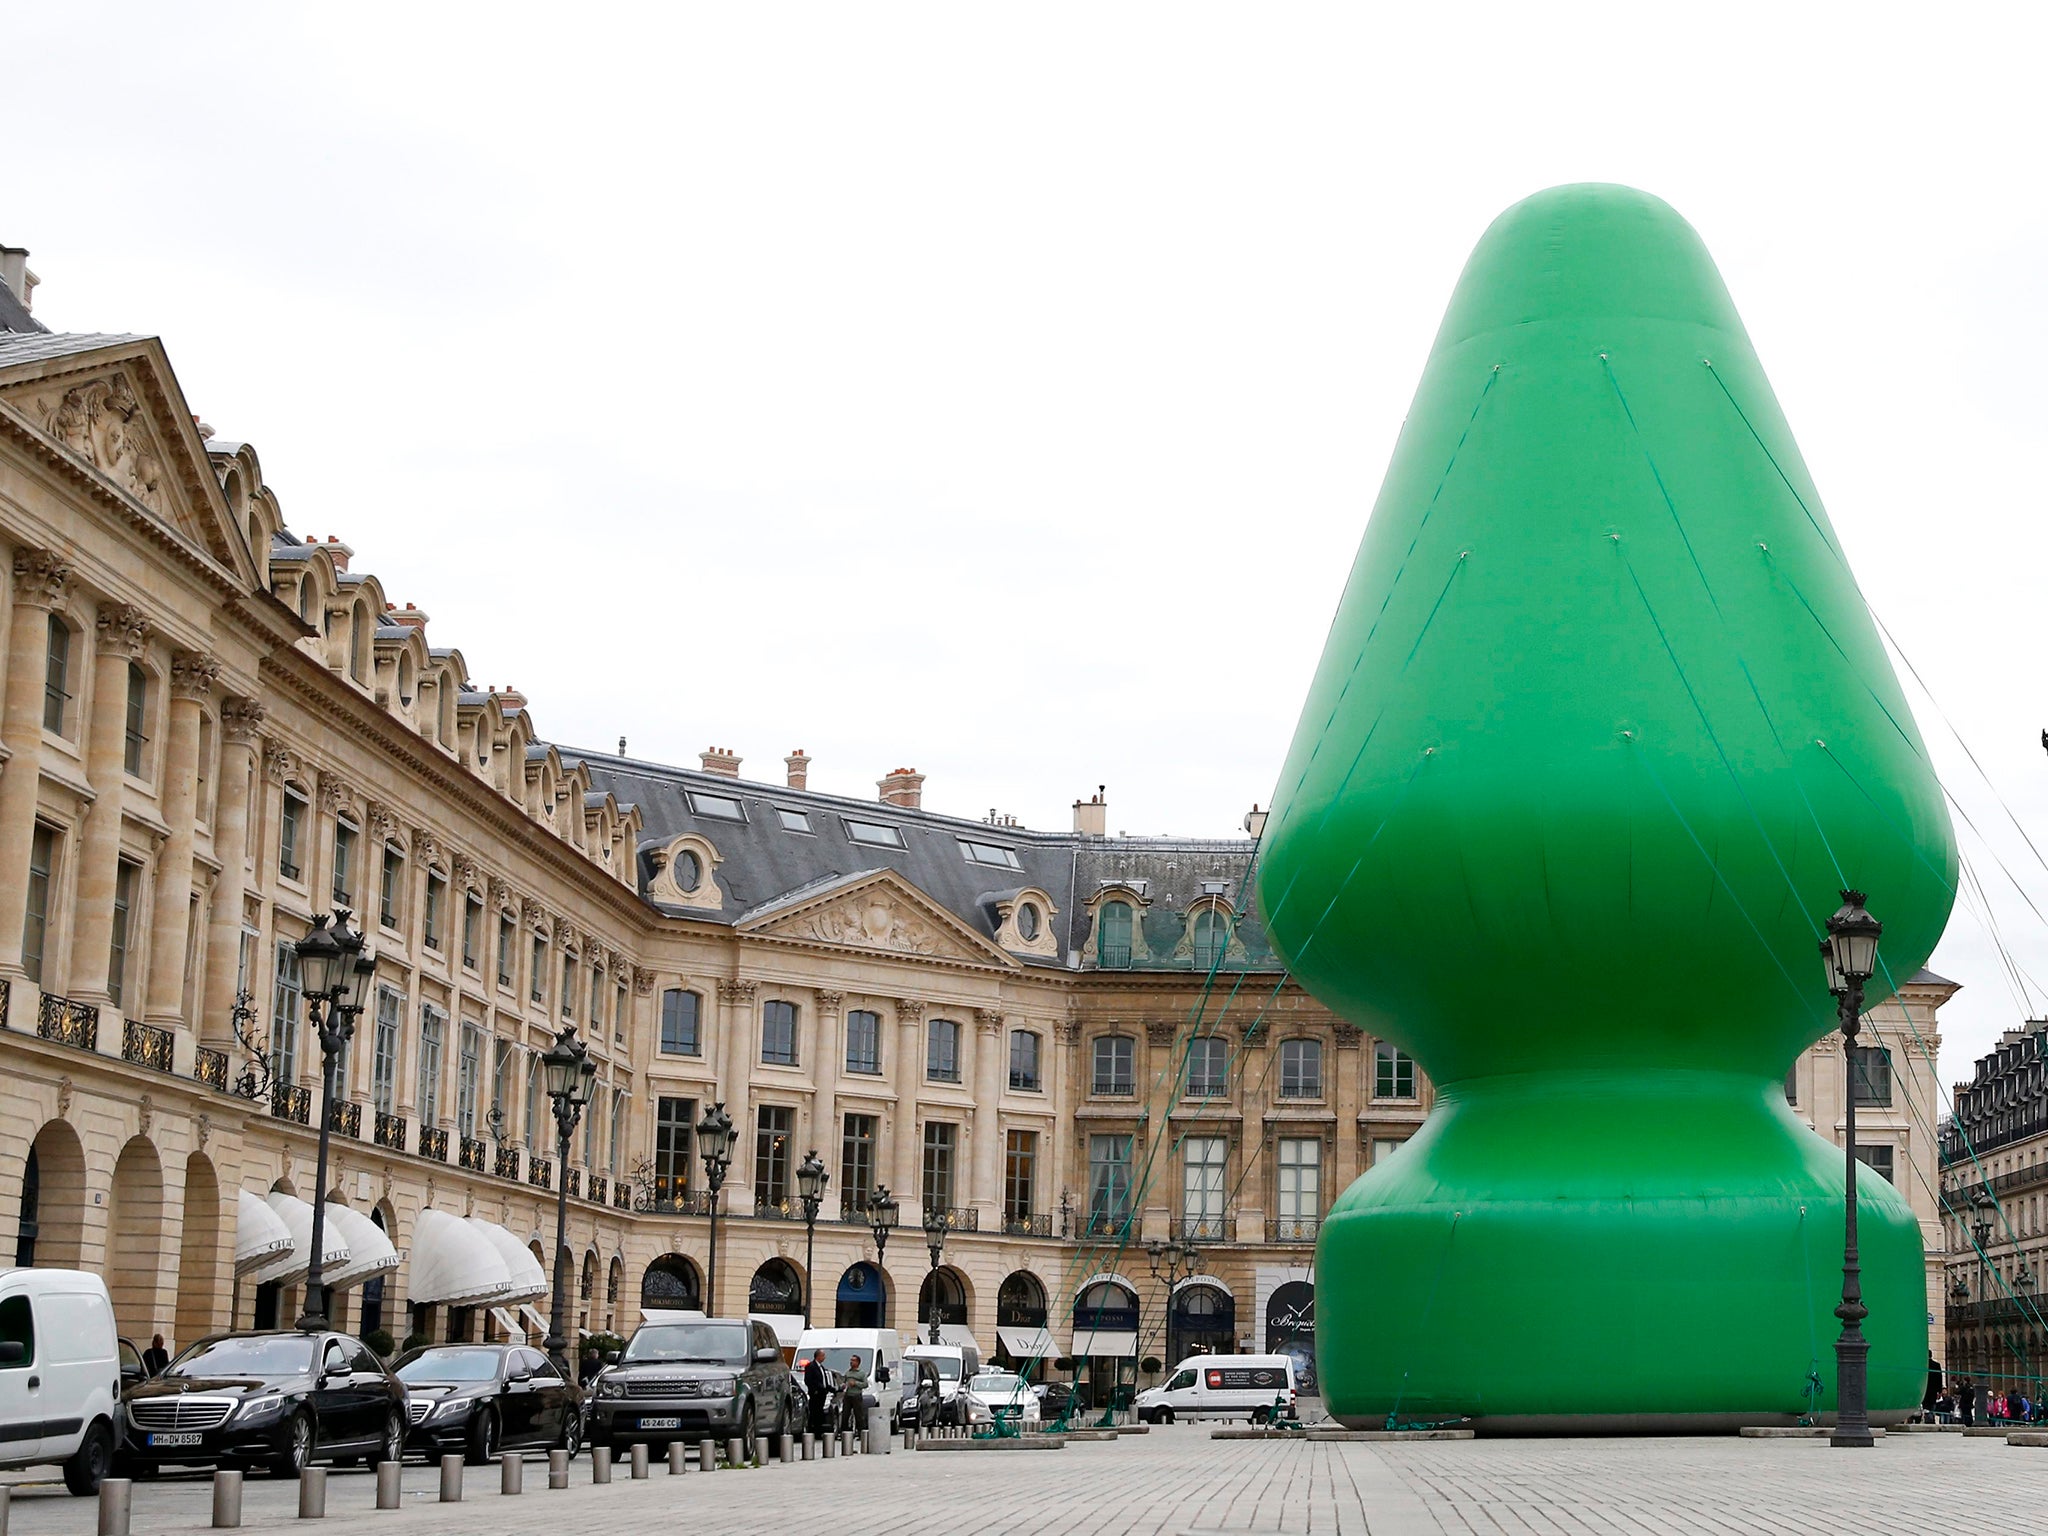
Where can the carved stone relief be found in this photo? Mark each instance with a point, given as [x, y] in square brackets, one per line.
[875, 920]
[193, 675]
[102, 421]
[42, 577]
[124, 630]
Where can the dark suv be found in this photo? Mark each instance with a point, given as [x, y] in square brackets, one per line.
[716, 1378]
[277, 1400]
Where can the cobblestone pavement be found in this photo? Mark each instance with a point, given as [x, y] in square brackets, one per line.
[1178, 1482]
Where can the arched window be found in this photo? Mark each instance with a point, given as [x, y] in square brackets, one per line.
[404, 681]
[1212, 938]
[671, 1281]
[942, 1051]
[309, 598]
[1113, 935]
[776, 1288]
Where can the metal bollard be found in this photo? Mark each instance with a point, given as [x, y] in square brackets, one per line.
[639, 1461]
[810, 1446]
[707, 1456]
[511, 1473]
[910, 1439]
[678, 1455]
[117, 1498]
[227, 1502]
[735, 1453]
[846, 1442]
[558, 1469]
[760, 1450]
[600, 1466]
[827, 1444]
[390, 1483]
[313, 1493]
[451, 1479]
[785, 1452]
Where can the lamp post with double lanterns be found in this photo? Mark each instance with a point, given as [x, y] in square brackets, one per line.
[811, 1179]
[335, 968]
[1981, 1207]
[1172, 1258]
[1849, 953]
[883, 1214]
[935, 1243]
[715, 1136]
[569, 1073]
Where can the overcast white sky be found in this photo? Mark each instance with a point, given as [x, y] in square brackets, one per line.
[1002, 391]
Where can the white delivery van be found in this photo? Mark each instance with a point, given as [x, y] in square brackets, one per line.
[881, 1356]
[60, 1374]
[1221, 1387]
[956, 1364]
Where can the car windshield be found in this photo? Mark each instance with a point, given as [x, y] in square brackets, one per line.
[266, 1355]
[449, 1366]
[948, 1366]
[997, 1384]
[688, 1343]
[837, 1361]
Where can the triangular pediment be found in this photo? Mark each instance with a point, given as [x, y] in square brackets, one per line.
[872, 911]
[115, 410]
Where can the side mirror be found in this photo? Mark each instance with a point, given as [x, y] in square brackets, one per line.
[611, 1357]
[767, 1356]
[881, 1375]
[13, 1352]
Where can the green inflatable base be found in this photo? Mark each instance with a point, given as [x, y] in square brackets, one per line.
[1680, 1249]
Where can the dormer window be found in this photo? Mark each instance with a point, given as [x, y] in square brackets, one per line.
[992, 854]
[1027, 921]
[875, 834]
[720, 807]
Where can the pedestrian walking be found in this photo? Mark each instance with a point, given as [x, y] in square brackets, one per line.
[1966, 1400]
[814, 1388]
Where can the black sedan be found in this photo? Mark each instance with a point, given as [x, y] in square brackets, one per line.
[480, 1399]
[277, 1400]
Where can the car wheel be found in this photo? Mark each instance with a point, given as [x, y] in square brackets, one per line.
[483, 1438]
[747, 1429]
[1165, 1416]
[91, 1462]
[572, 1433]
[298, 1447]
[393, 1446]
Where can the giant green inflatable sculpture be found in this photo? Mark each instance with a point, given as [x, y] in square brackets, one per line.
[1601, 729]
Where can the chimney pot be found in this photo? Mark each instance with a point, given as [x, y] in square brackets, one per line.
[799, 767]
[1091, 817]
[721, 761]
[904, 787]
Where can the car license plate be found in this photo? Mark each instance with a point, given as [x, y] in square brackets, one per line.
[171, 1440]
[671, 1422]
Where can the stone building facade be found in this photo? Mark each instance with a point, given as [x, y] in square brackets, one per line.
[1066, 1044]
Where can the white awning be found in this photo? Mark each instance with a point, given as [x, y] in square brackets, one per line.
[514, 1333]
[537, 1327]
[454, 1263]
[369, 1251]
[529, 1282]
[1029, 1343]
[957, 1334]
[297, 1217]
[672, 1315]
[788, 1326]
[260, 1237]
[1091, 1343]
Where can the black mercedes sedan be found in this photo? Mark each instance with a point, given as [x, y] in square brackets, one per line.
[480, 1399]
[278, 1400]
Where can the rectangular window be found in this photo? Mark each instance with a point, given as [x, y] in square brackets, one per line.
[596, 1001]
[673, 1119]
[941, 1137]
[390, 885]
[794, 821]
[942, 1051]
[57, 676]
[857, 1160]
[619, 1013]
[719, 807]
[1113, 936]
[35, 922]
[1870, 1070]
[1301, 1186]
[469, 1071]
[433, 1031]
[472, 928]
[1020, 1172]
[590, 1120]
[344, 888]
[501, 1085]
[1109, 1182]
[1115, 1066]
[1301, 1069]
[1201, 1189]
[1877, 1159]
[1208, 1068]
[284, 1016]
[124, 909]
[133, 742]
[505, 938]
[778, 1033]
[771, 1156]
[1024, 1061]
[876, 834]
[568, 988]
[1393, 1072]
[1384, 1149]
[430, 919]
[992, 854]
[384, 1052]
[863, 1041]
[289, 828]
[537, 982]
[679, 1023]
[1792, 1084]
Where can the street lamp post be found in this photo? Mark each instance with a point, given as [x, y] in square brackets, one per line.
[883, 1214]
[1850, 955]
[935, 1242]
[334, 969]
[569, 1073]
[715, 1136]
[1174, 1257]
[811, 1179]
[1981, 1206]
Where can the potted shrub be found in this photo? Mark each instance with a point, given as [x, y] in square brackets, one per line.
[380, 1343]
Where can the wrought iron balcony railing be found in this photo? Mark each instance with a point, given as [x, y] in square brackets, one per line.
[433, 1143]
[540, 1172]
[471, 1155]
[572, 1181]
[147, 1045]
[68, 1023]
[1105, 1223]
[1114, 1088]
[389, 1131]
[210, 1067]
[600, 1188]
[622, 1196]
[681, 1202]
[506, 1164]
[1019, 1224]
[292, 1101]
[960, 1218]
[788, 1208]
[348, 1121]
[1293, 1229]
[1211, 1228]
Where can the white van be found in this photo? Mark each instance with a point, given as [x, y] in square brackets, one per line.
[60, 1374]
[881, 1356]
[1221, 1387]
[956, 1364]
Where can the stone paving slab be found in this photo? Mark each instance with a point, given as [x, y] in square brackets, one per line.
[1179, 1482]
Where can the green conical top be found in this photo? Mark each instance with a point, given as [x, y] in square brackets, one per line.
[1602, 725]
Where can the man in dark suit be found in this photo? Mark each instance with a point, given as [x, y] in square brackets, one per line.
[814, 1387]
[156, 1359]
